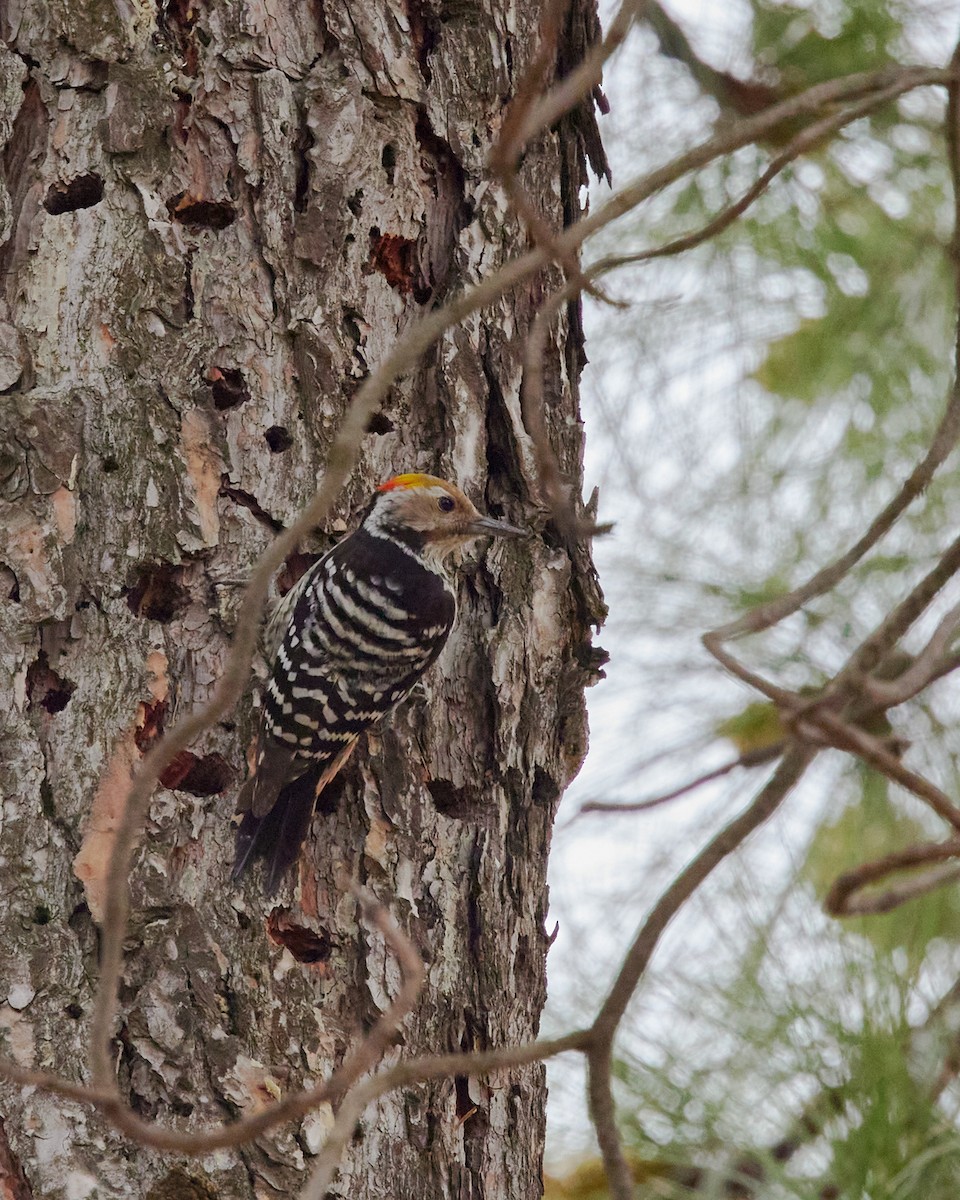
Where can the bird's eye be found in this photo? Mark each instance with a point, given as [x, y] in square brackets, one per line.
[446, 504]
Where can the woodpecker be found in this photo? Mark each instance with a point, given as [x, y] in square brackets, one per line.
[348, 643]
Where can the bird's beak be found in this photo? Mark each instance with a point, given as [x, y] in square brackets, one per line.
[486, 526]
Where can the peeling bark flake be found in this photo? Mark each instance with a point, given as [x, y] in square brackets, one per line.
[109, 803]
[205, 470]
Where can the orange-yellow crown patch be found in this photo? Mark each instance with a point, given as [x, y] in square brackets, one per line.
[412, 480]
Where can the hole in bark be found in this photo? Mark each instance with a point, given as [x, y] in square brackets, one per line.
[355, 203]
[395, 257]
[306, 945]
[228, 387]
[41, 915]
[467, 1112]
[207, 776]
[295, 565]
[388, 158]
[177, 18]
[456, 803]
[192, 211]
[278, 439]
[10, 584]
[351, 324]
[305, 143]
[150, 724]
[83, 191]
[157, 593]
[378, 423]
[424, 33]
[74, 1012]
[243, 920]
[109, 464]
[249, 502]
[188, 297]
[545, 789]
[329, 799]
[179, 1185]
[45, 688]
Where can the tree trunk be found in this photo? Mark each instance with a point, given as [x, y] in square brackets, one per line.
[215, 219]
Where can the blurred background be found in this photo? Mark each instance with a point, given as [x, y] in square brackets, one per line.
[760, 399]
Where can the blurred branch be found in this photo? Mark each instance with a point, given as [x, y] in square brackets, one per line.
[925, 668]
[753, 758]
[583, 79]
[849, 737]
[357, 1062]
[599, 1054]
[743, 96]
[504, 158]
[803, 143]
[842, 899]
[554, 492]
[943, 442]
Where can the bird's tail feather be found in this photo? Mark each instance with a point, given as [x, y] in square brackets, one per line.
[277, 836]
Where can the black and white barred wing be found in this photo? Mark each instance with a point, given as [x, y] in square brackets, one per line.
[360, 629]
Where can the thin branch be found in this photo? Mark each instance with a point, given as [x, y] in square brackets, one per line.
[898, 621]
[344, 1126]
[753, 758]
[925, 668]
[842, 899]
[599, 1055]
[504, 157]
[48, 1082]
[554, 492]
[423, 1070]
[944, 440]
[358, 1061]
[581, 81]
[849, 737]
[805, 141]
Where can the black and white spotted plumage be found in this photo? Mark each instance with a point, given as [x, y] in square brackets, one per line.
[349, 642]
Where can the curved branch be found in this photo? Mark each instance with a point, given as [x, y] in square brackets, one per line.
[599, 1054]
[842, 899]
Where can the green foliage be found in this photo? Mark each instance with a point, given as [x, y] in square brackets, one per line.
[755, 727]
[786, 37]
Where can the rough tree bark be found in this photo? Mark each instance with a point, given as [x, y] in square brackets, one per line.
[214, 218]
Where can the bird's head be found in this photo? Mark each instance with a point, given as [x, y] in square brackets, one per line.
[430, 515]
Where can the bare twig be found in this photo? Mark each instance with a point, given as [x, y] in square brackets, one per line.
[554, 492]
[599, 1054]
[753, 758]
[358, 1061]
[48, 1082]
[581, 81]
[944, 440]
[805, 141]
[505, 153]
[328, 1160]
[873, 649]
[845, 736]
[925, 668]
[842, 899]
